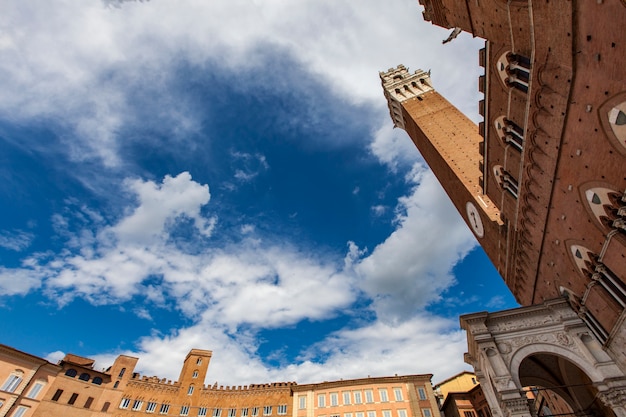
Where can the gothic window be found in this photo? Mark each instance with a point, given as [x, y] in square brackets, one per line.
[617, 122]
[505, 180]
[591, 266]
[608, 207]
[509, 133]
[514, 71]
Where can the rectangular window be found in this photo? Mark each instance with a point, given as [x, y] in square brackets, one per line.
[21, 410]
[422, 393]
[190, 390]
[202, 412]
[346, 398]
[11, 384]
[137, 405]
[151, 407]
[88, 402]
[302, 402]
[382, 393]
[347, 415]
[255, 411]
[401, 413]
[232, 412]
[35, 390]
[386, 413]
[357, 397]
[334, 399]
[195, 374]
[244, 412]
[397, 392]
[73, 399]
[267, 410]
[165, 408]
[359, 414]
[217, 412]
[321, 400]
[371, 414]
[125, 402]
[57, 395]
[469, 414]
[369, 396]
[427, 412]
[184, 410]
[281, 410]
[105, 406]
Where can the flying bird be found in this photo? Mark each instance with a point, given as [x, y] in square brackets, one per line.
[454, 34]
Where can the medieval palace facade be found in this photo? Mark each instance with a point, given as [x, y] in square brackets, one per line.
[542, 184]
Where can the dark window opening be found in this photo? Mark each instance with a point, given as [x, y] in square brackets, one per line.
[105, 406]
[97, 380]
[84, 377]
[73, 399]
[57, 395]
[71, 372]
[117, 383]
[88, 402]
[122, 373]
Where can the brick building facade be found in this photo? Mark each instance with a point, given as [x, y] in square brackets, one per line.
[35, 387]
[541, 181]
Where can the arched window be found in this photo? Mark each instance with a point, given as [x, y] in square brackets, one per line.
[97, 380]
[71, 373]
[617, 122]
[505, 180]
[122, 373]
[608, 207]
[195, 374]
[84, 376]
[509, 133]
[514, 70]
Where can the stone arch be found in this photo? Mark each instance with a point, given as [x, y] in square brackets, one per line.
[552, 349]
[548, 345]
[559, 370]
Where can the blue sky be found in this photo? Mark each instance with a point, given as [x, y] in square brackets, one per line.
[224, 175]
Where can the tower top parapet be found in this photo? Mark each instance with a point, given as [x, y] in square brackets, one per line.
[401, 85]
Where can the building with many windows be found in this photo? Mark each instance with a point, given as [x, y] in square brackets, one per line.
[541, 182]
[395, 396]
[35, 387]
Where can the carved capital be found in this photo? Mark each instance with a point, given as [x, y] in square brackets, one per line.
[614, 397]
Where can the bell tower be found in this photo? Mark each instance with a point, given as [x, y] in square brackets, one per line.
[450, 144]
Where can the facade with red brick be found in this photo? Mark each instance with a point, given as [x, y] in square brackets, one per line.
[73, 388]
[542, 180]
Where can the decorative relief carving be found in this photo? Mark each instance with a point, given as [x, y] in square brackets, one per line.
[615, 397]
[523, 324]
[560, 338]
[517, 405]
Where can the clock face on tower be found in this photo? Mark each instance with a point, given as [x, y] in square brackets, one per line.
[473, 217]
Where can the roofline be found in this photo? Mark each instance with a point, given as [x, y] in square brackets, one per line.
[361, 381]
[454, 376]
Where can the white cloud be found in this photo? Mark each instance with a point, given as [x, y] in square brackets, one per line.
[54, 357]
[18, 281]
[16, 241]
[73, 62]
[160, 205]
[414, 264]
[375, 349]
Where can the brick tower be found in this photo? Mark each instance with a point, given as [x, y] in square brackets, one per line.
[545, 174]
[450, 144]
